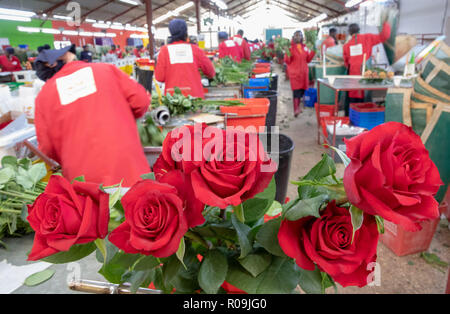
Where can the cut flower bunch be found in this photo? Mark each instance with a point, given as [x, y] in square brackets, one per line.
[205, 220]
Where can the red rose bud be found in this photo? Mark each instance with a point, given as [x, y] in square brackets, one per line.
[327, 242]
[391, 175]
[235, 169]
[155, 220]
[67, 214]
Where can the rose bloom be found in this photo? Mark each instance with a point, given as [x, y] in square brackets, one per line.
[392, 175]
[155, 218]
[67, 214]
[327, 242]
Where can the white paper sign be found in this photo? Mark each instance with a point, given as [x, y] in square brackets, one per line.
[180, 53]
[356, 50]
[230, 43]
[76, 85]
[238, 40]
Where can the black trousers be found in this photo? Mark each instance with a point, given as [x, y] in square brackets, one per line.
[298, 93]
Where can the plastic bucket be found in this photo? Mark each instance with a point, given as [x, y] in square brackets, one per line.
[284, 155]
[273, 98]
[252, 114]
[274, 82]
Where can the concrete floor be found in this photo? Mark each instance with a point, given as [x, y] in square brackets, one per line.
[408, 274]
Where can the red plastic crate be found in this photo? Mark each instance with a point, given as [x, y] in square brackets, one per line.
[324, 121]
[253, 113]
[403, 242]
[325, 110]
[366, 107]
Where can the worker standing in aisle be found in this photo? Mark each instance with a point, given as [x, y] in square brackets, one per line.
[330, 41]
[297, 67]
[86, 55]
[9, 62]
[355, 49]
[85, 118]
[243, 45]
[179, 62]
[228, 47]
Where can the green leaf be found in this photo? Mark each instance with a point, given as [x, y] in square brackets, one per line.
[137, 278]
[180, 252]
[280, 277]
[310, 281]
[274, 209]
[269, 192]
[213, 271]
[267, 236]
[101, 246]
[256, 263]
[239, 213]
[9, 162]
[76, 252]
[150, 176]
[79, 179]
[39, 277]
[305, 208]
[115, 267]
[327, 282]
[170, 270]
[322, 169]
[242, 231]
[433, 259]
[357, 219]
[146, 262]
[23, 179]
[114, 197]
[380, 224]
[37, 172]
[5, 175]
[345, 160]
[24, 163]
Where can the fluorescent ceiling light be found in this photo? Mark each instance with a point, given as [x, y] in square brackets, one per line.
[50, 31]
[100, 25]
[87, 34]
[70, 33]
[111, 34]
[99, 34]
[128, 27]
[222, 5]
[141, 29]
[91, 21]
[15, 18]
[17, 12]
[28, 29]
[131, 2]
[352, 3]
[184, 7]
[118, 27]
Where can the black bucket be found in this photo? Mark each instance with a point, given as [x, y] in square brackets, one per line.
[274, 82]
[285, 152]
[145, 78]
[271, 118]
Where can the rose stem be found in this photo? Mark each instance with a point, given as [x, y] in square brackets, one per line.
[11, 211]
[22, 196]
[195, 237]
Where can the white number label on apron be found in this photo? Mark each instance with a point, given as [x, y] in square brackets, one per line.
[230, 43]
[356, 50]
[180, 53]
[238, 40]
[76, 85]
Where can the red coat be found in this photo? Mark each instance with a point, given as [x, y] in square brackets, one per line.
[244, 47]
[297, 66]
[230, 48]
[117, 52]
[85, 119]
[178, 64]
[8, 65]
[359, 45]
[327, 43]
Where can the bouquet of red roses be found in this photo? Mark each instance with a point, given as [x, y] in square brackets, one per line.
[200, 222]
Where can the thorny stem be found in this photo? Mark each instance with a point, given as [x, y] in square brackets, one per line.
[197, 238]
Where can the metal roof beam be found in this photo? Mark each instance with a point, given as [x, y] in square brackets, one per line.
[160, 7]
[123, 13]
[95, 9]
[323, 6]
[54, 7]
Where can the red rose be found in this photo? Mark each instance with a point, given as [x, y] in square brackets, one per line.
[233, 171]
[67, 214]
[392, 175]
[327, 242]
[155, 219]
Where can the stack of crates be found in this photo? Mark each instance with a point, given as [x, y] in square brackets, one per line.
[256, 84]
[366, 115]
[310, 97]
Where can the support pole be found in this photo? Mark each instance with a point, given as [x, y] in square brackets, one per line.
[197, 13]
[149, 13]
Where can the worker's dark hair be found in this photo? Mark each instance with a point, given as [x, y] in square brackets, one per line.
[353, 29]
[333, 31]
[113, 46]
[240, 32]
[10, 50]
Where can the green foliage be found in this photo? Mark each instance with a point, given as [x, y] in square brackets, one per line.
[39, 277]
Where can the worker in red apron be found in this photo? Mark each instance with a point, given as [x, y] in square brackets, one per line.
[85, 118]
[243, 45]
[330, 41]
[228, 47]
[354, 51]
[116, 50]
[179, 62]
[9, 62]
[297, 67]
